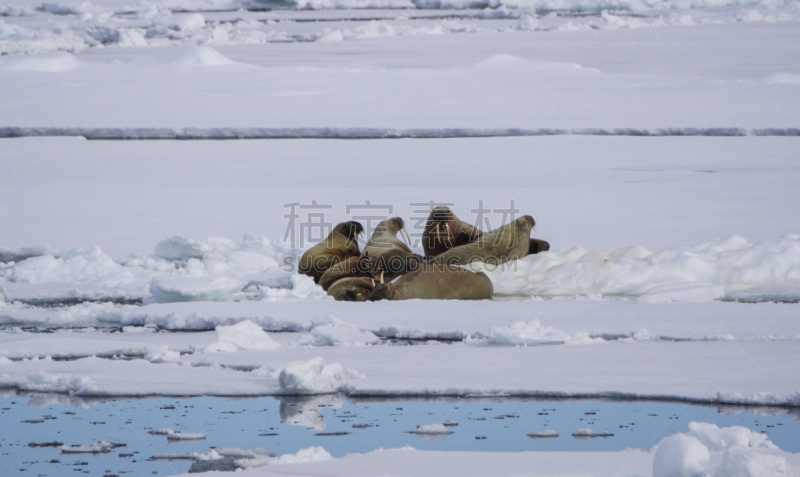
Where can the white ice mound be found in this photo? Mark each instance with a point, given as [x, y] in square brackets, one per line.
[532, 333]
[169, 289]
[719, 439]
[546, 433]
[314, 377]
[330, 331]
[58, 383]
[745, 453]
[303, 456]
[243, 336]
[432, 429]
[700, 272]
[186, 56]
[180, 248]
[680, 455]
[743, 462]
[80, 264]
[47, 62]
[301, 287]
[96, 448]
[588, 432]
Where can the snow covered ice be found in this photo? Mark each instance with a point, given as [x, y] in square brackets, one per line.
[150, 154]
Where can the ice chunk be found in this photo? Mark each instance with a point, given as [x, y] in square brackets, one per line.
[719, 439]
[180, 248]
[545, 433]
[680, 455]
[96, 448]
[314, 377]
[746, 462]
[432, 429]
[337, 333]
[527, 23]
[168, 289]
[161, 354]
[311, 454]
[59, 383]
[242, 336]
[532, 333]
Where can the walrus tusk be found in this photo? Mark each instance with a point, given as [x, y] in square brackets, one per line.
[438, 237]
[449, 232]
[406, 237]
[381, 276]
[534, 229]
[373, 283]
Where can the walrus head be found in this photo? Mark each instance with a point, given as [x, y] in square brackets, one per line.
[381, 292]
[392, 227]
[528, 220]
[351, 229]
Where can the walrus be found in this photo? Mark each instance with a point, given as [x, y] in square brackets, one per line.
[387, 254]
[349, 267]
[339, 245]
[436, 282]
[352, 289]
[537, 246]
[510, 242]
[444, 231]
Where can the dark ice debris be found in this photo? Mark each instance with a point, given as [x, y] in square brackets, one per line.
[46, 444]
[226, 464]
[331, 433]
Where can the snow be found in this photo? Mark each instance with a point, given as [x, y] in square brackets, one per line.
[315, 377]
[743, 453]
[718, 440]
[242, 336]
[680, 455]
[409, 461]
[655, 143]
[308, 455]
[743, 462]
[715, 269]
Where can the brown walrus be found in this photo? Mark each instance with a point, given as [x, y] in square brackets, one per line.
[352, 289]
[339, 245]
[349, 267]
[444, 231]
[388, 255]
[537, 246]
[510, 242]
[436, 282]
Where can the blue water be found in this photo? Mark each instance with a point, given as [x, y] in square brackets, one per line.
[288, 425]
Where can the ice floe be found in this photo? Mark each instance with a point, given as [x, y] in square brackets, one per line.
[315, 377]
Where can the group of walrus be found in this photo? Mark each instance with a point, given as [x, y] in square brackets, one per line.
[449, 244]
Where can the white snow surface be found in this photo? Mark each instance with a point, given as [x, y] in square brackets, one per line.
[445, 463]
[736, 451]
[655, 143]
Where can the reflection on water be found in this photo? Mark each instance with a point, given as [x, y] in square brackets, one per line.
[341, 425]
